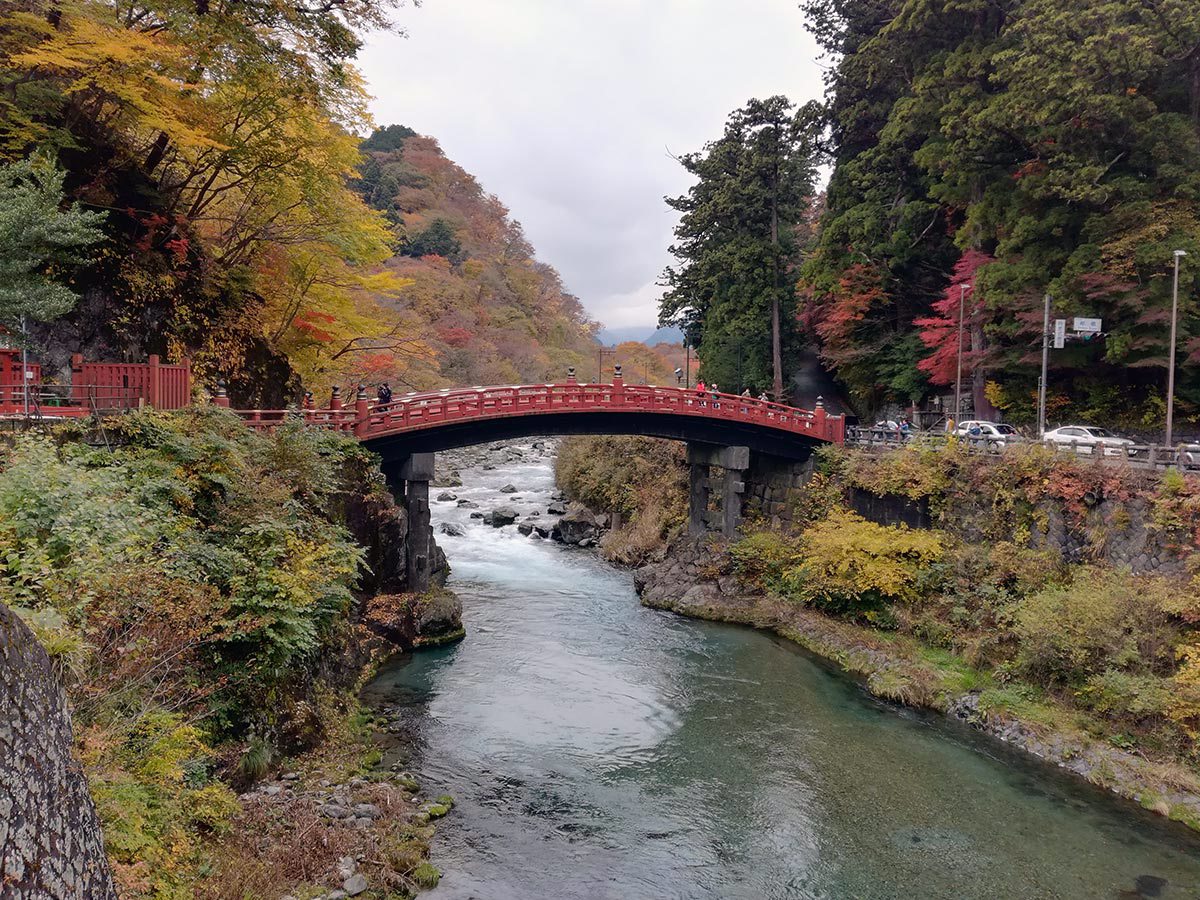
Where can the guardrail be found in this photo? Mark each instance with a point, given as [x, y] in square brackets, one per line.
[1149, 456]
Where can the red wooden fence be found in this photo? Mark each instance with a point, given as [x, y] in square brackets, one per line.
[94, 386]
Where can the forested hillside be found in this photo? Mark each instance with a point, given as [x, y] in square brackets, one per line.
[1021, 147]
[477, 306]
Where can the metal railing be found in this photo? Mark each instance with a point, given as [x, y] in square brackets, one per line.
[1138, 455]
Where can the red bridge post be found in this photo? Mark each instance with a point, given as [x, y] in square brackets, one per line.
[361, 412]
[221, 397]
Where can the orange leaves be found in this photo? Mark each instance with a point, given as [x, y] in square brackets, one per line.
[940, 333]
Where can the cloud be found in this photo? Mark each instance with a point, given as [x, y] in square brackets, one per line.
[570, 112]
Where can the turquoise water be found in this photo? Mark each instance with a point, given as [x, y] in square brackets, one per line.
[597, 749]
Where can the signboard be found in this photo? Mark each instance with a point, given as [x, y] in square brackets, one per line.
[1088, 326]
[1060, 333]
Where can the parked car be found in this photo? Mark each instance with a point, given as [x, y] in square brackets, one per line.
[993, 434]
[1087, 438]
[1189, 455]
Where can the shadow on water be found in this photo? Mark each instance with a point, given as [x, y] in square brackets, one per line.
[598, 749]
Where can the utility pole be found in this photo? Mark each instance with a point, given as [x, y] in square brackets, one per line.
[962, 293]
[687, 362]
[25, 365]
[1041, 422]
[1179, 254]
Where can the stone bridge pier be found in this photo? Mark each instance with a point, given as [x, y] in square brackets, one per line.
[408, 479]
[730, 484]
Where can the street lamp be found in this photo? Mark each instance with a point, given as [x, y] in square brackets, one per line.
[1179, 254]
[962, 293]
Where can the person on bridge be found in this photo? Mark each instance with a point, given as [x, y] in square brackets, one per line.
[701, 388]
[384, 394]
[716, 395]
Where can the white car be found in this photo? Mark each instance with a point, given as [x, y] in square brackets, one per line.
[1086, 438]
[991, 434]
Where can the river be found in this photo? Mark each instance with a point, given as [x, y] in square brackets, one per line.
[597, 749]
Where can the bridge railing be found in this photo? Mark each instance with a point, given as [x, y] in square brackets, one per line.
[416, 411]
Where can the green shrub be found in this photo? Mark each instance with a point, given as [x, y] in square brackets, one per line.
[760, 558]
[1102, 620]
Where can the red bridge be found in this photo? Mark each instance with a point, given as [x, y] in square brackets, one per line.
[440, 420]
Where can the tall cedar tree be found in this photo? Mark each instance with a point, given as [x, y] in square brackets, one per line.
[734, 291]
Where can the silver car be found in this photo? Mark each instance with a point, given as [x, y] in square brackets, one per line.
[1088, 438]
[993, 435]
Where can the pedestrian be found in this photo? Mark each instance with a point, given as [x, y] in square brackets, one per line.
[716, 395]
[384, 394]
[700, 391]
[746, 392]
[764, 398]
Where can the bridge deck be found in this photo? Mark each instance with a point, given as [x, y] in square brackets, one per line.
[432, 409]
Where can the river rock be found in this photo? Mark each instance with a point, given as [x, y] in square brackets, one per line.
[577, 526]
[452, 528]
[467, 504]
[557, 508]
[500, 516]
[478, 515]
[509, 489]
[446, 496]
[546, 532]
[525, 528]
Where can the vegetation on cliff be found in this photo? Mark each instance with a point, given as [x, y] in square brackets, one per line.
[1039, 621]
[641, 481]
[186, 576]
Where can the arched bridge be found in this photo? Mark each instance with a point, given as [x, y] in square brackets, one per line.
[442, 420]
[721, 431]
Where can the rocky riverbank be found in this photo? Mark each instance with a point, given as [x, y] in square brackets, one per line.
[696, 579]
[560, 520]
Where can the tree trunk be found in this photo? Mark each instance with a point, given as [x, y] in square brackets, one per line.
[50, 842]
[776, 345]
[982, 406]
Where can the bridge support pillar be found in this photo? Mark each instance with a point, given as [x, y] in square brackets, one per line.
[409, 483]
[698, 492]
[734, 461]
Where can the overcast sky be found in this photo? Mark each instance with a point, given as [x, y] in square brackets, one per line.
[568, 111]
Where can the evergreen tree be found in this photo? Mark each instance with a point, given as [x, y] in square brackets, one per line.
[37, 233]
[733, 292]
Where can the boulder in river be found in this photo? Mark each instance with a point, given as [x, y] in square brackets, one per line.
[545, 532]
[500, 516]
[525, 528]
[509, 489]
[557, 508]
[446, 496]
[467, 504]
[478, 515]
[578, 526]
[453, 529]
